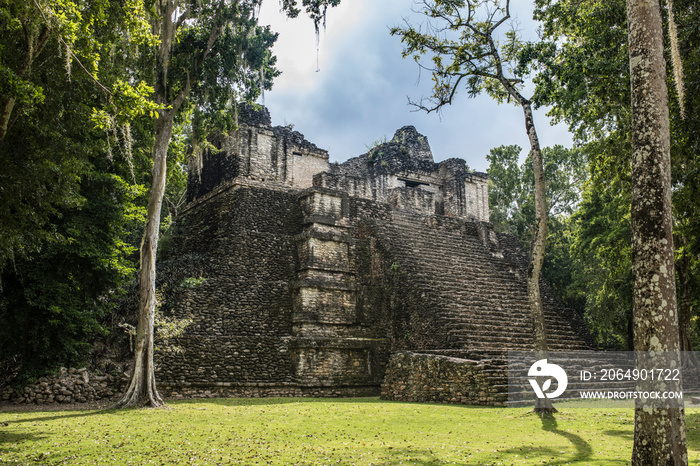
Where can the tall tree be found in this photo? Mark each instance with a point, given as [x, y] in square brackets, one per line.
[465, 50]
[188, 33]
[659, 434]
[211, 53]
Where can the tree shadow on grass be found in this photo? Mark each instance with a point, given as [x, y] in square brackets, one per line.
[15, 438]
[583, 451]
[60, 415]
[545, 454]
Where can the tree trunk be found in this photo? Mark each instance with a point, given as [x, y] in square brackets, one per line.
[659, 434]
[543, 406]
[142, 388]
[5, 117]
[629, 315]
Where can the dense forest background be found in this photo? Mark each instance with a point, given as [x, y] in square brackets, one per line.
[77, 80]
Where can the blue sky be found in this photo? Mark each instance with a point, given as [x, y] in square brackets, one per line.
[359, 95]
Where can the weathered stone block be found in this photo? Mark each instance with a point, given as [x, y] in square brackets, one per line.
[323, 254]
[332, 365]
[325, 305]
[320, 206]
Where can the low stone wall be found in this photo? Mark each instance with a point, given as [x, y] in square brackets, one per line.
[437, 379]
[264, 391]
[68, 386]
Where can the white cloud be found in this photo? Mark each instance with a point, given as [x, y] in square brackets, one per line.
[359, 94]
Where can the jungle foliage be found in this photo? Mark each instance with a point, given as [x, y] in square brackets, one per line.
[583, 75]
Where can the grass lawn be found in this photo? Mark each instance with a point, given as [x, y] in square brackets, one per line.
[285, 431]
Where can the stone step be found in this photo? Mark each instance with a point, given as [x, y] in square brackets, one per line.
[480, 316]
[480, 297]
[520, 314]
[514, 334]
[476, 326]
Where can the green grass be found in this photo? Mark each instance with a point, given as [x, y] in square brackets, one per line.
[285, 431]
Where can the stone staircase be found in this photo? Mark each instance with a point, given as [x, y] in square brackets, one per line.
[480, 295]
[478, 290]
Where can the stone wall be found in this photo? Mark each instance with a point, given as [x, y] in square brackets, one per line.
[309, 293]
[276, 312]
[428, 194]
[439, 379]
[262, 390]
[242, 307]
[391, 189]
[466, 191]
[68, 386]
[402, 173]
[257, 151]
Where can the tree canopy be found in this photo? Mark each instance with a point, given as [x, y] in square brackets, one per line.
[70, 194]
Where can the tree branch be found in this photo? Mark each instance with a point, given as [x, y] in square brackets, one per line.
[68, 49]
[184, 17]
[502, 20]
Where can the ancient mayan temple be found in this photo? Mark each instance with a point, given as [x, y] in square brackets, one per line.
[314, 279]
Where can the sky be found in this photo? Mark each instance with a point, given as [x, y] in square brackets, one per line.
[359, 92]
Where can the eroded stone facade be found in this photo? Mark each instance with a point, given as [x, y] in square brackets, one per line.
[257, 151]
[311, 275]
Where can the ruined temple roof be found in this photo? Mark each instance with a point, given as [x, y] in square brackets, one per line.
[259, 116]
[254, 115]
[407, 151]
